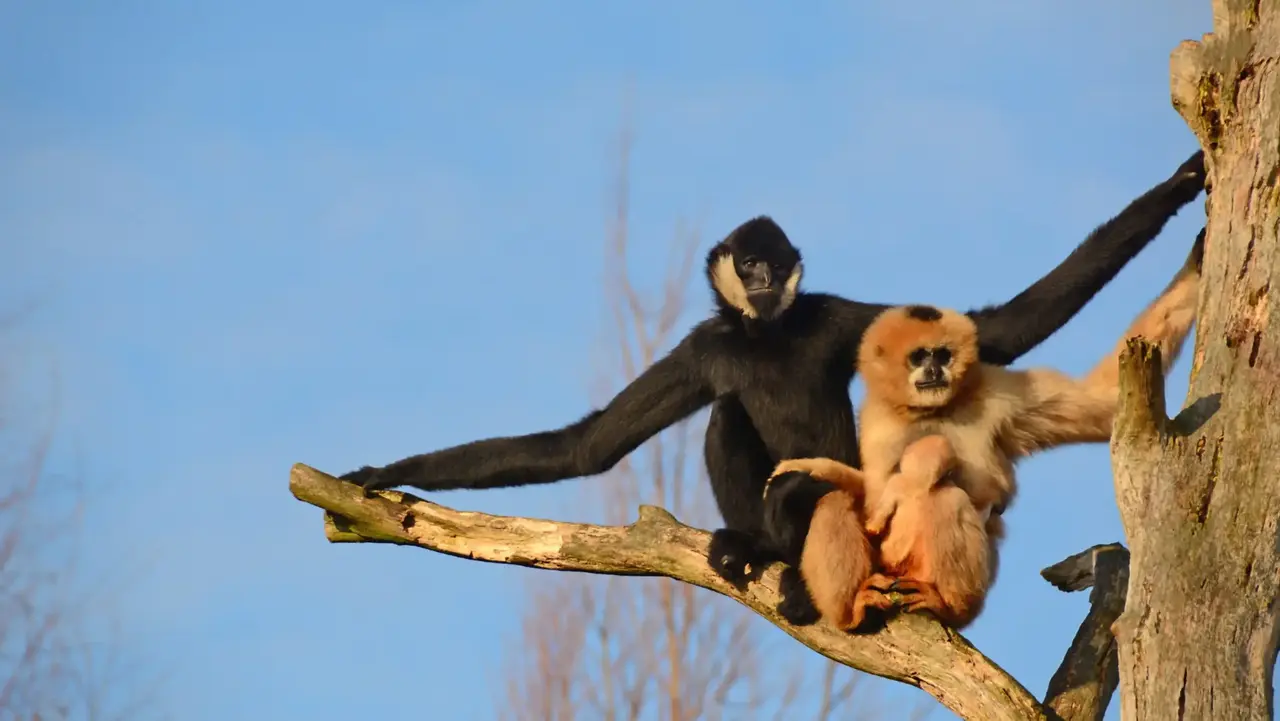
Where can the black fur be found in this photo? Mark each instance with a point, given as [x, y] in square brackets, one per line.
[925, 313]
[796, 605]
[779, 389]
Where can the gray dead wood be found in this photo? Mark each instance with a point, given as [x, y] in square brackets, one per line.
[1086, 679]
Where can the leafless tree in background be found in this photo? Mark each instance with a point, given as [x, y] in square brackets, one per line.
[55, 663]
[625, 649]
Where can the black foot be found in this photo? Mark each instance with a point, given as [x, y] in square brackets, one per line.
[796, 606]
[730, 553]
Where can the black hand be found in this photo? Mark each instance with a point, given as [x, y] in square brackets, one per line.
[1193, 167]
[1190, 176]
[368, 477]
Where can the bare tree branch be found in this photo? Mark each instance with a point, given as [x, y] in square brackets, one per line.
[1083, 685]
[911, 649]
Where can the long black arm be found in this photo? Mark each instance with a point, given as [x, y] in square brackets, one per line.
[668, 391]
[1009, 330]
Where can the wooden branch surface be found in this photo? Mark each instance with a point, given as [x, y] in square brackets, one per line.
[911, 648]
[1139, 425]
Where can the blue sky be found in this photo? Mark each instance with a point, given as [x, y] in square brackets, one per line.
[340, 234]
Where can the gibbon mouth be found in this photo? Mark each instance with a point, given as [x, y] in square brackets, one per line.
[758, 291]
[930, 385]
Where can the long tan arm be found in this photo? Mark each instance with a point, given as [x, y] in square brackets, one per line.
[1166, 321]
[844, 476]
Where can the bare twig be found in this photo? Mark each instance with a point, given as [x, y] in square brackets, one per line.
[911, 649]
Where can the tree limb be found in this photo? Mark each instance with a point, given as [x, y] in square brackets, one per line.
[1139, 427]
[911, 648]
[1083, 685]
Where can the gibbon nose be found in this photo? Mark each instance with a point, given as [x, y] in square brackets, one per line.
[761, 279]
[931, 372]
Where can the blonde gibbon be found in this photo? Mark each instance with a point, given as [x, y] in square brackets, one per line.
[940, 433]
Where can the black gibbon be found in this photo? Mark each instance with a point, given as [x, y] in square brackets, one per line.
[941, 433]
[775, 363]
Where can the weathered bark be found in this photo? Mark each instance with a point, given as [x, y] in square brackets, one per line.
[1083, 685]
[911, 648]
[1200, 495]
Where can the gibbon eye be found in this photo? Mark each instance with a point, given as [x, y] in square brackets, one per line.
[943, 356]
[917, 356]
[750, 263]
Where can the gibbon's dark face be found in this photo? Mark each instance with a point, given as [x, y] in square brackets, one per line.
[929, 371]
[756, 270]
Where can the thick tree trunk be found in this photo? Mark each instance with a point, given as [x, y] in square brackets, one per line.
[1200, 495]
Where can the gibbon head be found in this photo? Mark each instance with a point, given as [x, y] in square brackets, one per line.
[917, 356]
[755, 271]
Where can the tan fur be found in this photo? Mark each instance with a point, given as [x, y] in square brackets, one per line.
[725, 279]
[836, 558]
[942, 537]
[845, 477]
[924, 464]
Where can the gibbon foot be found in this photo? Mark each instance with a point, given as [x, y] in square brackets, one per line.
[919, 596]
[881, 595]
[796, 605]
[870, 607]
[871, 597]
[879, 582]
[734, 556]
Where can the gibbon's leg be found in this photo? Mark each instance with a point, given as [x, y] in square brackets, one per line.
[738, 466]
[790, 506]
[796, 604]
[837, 558]
[938, 550]
[872, 594]
[961, 556]
[792, 495]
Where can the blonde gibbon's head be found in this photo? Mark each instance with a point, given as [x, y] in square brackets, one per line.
[917, 356]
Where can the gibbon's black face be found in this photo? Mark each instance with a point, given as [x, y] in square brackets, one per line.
[755, 270]
[929, 364]
[930, 368]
